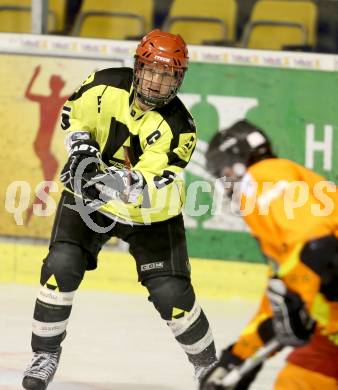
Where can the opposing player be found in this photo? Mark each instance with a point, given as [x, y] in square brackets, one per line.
[292, 212]
[129, 136]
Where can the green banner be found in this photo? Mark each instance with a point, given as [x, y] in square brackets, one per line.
[298, 110]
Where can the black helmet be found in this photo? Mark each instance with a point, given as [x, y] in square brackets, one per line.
[242, 143]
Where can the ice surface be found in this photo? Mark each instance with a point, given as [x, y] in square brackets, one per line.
[115, 341]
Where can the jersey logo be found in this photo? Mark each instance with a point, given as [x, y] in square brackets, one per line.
[190, 143]
[153, 137]
[187, 146]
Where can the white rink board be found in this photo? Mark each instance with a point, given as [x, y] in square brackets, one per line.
[124, 50]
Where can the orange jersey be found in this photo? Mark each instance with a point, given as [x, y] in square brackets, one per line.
[290, 205]
[286, 205]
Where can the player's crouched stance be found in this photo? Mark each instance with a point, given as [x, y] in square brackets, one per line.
[129, 137]
[300, 305]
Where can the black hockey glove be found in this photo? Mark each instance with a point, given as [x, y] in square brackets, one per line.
[84, 158]
[213, 378]
[292, 323]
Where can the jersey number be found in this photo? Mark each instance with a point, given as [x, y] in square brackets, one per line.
[164, 180]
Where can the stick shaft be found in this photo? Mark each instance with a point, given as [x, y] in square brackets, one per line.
[249, 364]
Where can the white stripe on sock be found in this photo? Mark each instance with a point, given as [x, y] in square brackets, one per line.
[49, 329]
[180, 325]
[55, 297]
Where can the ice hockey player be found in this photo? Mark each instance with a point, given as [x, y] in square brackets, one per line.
[294, 217]
[129, 136]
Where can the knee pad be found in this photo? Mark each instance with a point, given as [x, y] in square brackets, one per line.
[64, 267]
[172, 296]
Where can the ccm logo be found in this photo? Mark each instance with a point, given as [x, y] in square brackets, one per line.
[162, 58]
[150, 266]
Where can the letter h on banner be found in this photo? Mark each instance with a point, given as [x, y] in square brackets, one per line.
[324, 146]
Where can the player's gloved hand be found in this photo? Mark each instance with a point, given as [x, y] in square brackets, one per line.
[122, 184]
[85, 157]
[212, 380]
[104, 186]
[292, 322]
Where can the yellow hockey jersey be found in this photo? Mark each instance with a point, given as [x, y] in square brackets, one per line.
[157, 143]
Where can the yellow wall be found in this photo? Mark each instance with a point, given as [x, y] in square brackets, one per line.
[21, 264]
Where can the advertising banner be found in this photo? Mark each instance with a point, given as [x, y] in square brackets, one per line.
[295, 106]
[297, 109]
[33, 90]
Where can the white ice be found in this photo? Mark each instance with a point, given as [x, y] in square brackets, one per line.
[116, 342]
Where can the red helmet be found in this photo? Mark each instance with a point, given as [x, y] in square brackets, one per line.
[165, 48]
[163, 52]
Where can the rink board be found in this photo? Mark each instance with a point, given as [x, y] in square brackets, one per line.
[116, 272]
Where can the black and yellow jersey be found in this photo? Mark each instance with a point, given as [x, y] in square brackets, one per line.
[157, 143]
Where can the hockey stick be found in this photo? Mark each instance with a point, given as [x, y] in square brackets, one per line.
[235, 375]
